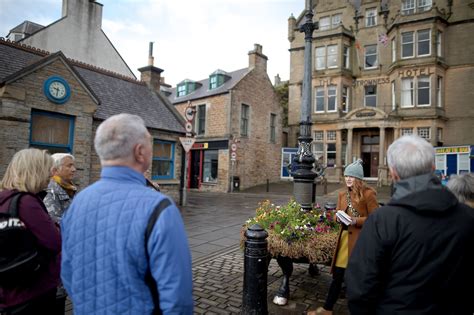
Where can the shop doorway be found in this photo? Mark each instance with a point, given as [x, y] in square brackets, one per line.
[195, 171]
[370, 155]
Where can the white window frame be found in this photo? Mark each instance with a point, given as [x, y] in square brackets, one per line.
[370, 17]
[366, 96]
[394, 49]
[376, 63]
[439, 134]
[319, 97]
[407, 92]
[336, 20]
[423, 5]
[439, 39]
[331, 135]
[320, 54]
[406, 131]
[439, 91]
[408, 7]
[332, 56]
[421, 130]
[347, 55]
[418, 88]
[331, 152]
[319, 136]
[418, 41]
[331, 95]
[394, 105]
[318, 154]
[325, 23]
[412, 43]
[345, 98]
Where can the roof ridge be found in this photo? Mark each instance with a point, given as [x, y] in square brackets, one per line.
[74, 62]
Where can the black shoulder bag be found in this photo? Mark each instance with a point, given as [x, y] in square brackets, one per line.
[149, 280]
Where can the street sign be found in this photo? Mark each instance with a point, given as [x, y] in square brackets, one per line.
[187, 143]
[189, 127]
[233, 156]
[189, 113]
[233, 147]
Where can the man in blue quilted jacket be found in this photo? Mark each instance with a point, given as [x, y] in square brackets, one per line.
[104, 259]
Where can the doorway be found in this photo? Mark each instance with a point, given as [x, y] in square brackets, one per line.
[195, 171]
[370, 155]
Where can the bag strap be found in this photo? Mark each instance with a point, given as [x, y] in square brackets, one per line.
[13, 207]
[149, 280]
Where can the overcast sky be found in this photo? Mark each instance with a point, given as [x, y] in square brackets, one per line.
[193, 38]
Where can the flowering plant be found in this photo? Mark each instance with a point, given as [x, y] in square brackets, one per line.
[296, 233]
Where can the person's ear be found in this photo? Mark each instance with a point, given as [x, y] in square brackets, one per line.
[394, 174]
[138, 153]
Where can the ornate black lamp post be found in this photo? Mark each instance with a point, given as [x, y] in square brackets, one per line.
[303, 174]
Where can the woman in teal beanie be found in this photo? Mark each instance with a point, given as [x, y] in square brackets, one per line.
[358, 200]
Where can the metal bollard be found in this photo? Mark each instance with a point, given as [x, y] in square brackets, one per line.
[255, 271]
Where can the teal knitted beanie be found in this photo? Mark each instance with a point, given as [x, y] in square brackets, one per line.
[355, 170]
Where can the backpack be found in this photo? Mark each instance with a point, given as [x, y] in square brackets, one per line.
[19, 256]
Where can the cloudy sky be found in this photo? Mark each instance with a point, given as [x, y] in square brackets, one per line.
[192, 38]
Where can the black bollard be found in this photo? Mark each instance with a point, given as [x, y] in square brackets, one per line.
[255, 271]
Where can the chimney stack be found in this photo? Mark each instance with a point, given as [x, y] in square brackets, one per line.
[150, 74]
[257, 59]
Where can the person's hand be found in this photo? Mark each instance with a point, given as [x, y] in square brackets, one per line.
[354, 221]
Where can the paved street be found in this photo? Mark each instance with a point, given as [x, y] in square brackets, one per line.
[213, 223]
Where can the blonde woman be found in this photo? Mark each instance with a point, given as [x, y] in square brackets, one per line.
[28, 174]
[358, 201]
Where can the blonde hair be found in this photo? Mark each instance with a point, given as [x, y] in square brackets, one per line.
[28, 171]
[358, 188]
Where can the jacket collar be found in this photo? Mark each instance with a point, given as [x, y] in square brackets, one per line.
[123, 174]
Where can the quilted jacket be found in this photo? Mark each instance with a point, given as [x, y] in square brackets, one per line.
[103, 255]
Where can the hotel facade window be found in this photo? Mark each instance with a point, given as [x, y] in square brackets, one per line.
[244, 120]
[394, 49]
[329, 22]
[326, 99]
[394, 101]
[418, 42]
[345, 99]
[439, 50]
[318, 145]
[439, 91]
[407, 131]
[415, 6]
[201, 120]
[424, 132]
[336, 20]
[163, 160]
[371, 57]
[347, 60]
[415, 91]
[371, 17]
[326, 57]
[370, 97]
[51, 131]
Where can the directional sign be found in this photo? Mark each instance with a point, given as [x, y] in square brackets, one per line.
[189, 113]
[187, 143]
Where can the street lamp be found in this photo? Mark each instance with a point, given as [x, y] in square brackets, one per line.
[303, 175]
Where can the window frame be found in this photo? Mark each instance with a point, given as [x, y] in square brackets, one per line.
[370, 17]
[425, 79]
[370, 95]
[216, 180]
[366, 55]
[423, 41]
[345, 98]
[321, 57]
[44, 145]
[419, 132]
[319, 97]
[334, 56]
[394, 49]
[406, 131]
[244, 120]
[439, 91]
[273, 127]
[323, 26]
[330, 96]
[201, 122]
[171, 159]
[394, 99]
[347, 55]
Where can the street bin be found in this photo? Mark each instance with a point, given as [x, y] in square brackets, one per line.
[236, 182]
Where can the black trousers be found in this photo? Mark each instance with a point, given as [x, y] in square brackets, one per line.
[44, 304]
[334, 288]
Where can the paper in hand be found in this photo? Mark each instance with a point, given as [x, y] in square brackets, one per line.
[344, 217]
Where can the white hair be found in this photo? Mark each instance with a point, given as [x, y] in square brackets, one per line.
[411, 156]
[58, 159]
[462, 186]
[117, 136]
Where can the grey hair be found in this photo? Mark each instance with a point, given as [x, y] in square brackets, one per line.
[117, 135]
[462, 186]
[411, 156]
[58, 159]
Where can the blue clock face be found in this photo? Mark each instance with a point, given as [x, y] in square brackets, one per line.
[57, 90]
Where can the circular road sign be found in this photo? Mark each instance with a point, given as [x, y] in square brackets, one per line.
[233, 155]
[189, 127]
[189, 113]
[233, 147]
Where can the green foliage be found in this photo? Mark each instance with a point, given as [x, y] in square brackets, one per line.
[282, 92]
[291, 223]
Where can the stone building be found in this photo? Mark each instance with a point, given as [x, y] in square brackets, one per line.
[78, 34]
[51, 102]
[238, 110]
[382, 70]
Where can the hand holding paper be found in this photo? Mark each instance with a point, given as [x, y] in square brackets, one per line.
[344, 217]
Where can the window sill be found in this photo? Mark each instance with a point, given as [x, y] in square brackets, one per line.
[166, 181]
[209, 183]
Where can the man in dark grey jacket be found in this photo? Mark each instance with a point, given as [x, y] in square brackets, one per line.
[414, 255]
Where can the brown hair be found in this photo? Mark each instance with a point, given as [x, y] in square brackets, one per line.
[358, 188]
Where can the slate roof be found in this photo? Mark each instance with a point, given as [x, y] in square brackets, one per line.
[116, 93]
[203, 91]
[27, 27]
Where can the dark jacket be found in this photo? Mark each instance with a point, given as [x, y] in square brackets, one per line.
[34, 215]
[415, 255]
